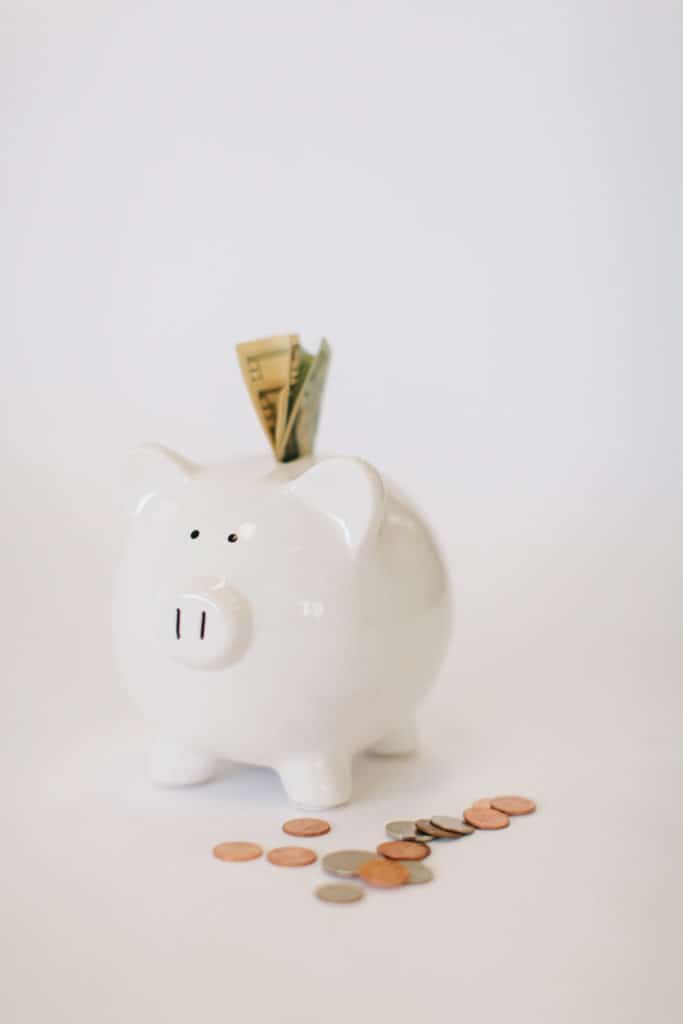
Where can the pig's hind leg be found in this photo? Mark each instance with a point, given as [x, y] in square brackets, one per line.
[394, 744]
[174, 764]
[318, 781]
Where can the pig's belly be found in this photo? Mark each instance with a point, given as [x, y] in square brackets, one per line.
[267, 712]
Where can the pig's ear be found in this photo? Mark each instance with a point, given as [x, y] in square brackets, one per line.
[349, 491]
[151, 471]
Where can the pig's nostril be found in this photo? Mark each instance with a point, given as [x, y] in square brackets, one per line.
[204, 624]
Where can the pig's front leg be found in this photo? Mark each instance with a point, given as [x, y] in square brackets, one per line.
[174, 764]
[318, 781]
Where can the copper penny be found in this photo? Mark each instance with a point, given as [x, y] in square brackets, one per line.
[400, 850]
[385, 874]
[484, 802]
[292, 856]
[237, 851]
[513, 804]
[485, 818]
[433, 830]
[306, 827]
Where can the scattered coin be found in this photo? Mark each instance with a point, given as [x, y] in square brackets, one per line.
[395, 863]
[436, 833]
[513, 804]
[339, 893]
[237, 851]
[449, 824]
[306, 827]
[385, 874]
[486, 818]
[346, 863]
[401, 830]
[403, 850]
[292, 856]
[417, 872]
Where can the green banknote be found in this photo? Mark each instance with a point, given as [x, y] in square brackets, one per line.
[286, 385]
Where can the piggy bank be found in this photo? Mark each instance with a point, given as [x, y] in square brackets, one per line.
[288, 615]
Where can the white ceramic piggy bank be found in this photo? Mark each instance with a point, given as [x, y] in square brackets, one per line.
[287, 615]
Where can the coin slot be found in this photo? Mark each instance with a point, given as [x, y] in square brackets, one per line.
[202, 628]
[177, 623]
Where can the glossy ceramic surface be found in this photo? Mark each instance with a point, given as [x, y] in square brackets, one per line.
[287, 615]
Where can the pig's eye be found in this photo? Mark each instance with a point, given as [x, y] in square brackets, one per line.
[194, 534]
[232, 538]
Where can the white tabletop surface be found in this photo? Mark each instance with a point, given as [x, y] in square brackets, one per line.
[564, 684]
[480, 206]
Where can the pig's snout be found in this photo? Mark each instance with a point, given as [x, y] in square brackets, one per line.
[205, 624]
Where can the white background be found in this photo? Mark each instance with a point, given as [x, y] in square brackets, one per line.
[480, 205]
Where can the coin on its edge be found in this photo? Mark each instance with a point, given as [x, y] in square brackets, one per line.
[485, 818]
[385, 874]
[417, 872]
[235, 852]
[339, 893]
[452, 824]
[403, 850]
[513, 804]
[291, 856]
[306, 827]
[346, 863]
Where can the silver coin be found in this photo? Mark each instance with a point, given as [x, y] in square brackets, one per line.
[417, 871]
[339, 893]
[451, 824]
[401, 830]
[346, 863]
[433, 832]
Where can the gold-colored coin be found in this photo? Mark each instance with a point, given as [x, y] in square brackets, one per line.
[400, 850]
[237, 851]
[385, 874]
[513, 804]
[485, 818]
[292, 856]
[306, 827]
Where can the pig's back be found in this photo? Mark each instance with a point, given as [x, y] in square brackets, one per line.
[409, 557]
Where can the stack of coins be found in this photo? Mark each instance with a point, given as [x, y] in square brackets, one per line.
[393, 864]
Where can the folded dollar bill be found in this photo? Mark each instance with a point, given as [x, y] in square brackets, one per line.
[286, 385]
